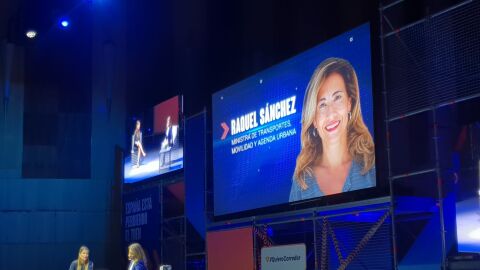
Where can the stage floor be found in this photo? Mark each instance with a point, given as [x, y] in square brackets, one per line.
[150, 166]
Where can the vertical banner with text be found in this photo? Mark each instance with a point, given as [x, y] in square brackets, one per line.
[141, 212]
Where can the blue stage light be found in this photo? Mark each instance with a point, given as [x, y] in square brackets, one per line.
[64, 23]
[31, 34]
[270, 232]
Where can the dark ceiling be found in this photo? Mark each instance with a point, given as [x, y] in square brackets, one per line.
[199, 50]
[197, 47]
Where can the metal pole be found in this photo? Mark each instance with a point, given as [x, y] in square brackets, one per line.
[206, 194]
[184, 205]
[439, 187]
[387, 138]
[254, 235]
[383, 8]
[161, 224]
[184, 232]
[314, 220]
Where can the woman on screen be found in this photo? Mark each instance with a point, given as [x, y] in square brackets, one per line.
[137, 258]
[337, 152]
[137, 146]
[82, 262]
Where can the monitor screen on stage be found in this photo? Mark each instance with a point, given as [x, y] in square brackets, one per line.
[466, 168]
[154, 142]
[300, 130]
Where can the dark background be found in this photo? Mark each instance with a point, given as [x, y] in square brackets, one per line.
[62, 127]
[194, 48]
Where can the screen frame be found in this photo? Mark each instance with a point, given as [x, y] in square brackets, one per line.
[174, 174]
[380, 139]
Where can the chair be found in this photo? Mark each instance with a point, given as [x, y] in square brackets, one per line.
[166, 150]
[134, 158]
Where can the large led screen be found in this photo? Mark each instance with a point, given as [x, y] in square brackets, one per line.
[466, 168]
[300, 130]
[154, 142]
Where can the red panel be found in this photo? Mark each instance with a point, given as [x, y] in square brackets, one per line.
[230, 250]
[178, 190]
[162, 111]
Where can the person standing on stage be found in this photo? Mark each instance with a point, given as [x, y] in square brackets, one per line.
[137, 258]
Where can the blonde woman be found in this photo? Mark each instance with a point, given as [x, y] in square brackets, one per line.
[137, 258]
[337, 153]
[82, 262]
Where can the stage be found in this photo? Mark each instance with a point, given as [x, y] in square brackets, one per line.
[150, 165]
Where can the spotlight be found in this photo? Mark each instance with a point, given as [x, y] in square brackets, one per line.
[269, 232]
[31, 34]
[64, 23]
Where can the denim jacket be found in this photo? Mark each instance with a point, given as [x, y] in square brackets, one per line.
[355, 180]
[73, 265]
[139, 265]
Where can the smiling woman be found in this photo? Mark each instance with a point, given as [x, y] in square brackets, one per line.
[337, 152]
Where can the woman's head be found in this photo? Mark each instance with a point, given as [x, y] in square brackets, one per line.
[169, 123]
[83, 254]
[332, 114]
[138, 124]
[333, 107]
[136, 253]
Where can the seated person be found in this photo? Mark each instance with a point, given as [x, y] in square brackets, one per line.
[168, 141]
[137, 145]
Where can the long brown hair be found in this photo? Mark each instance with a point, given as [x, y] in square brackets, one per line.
[137, 130]
[80, 265]
[360, 142]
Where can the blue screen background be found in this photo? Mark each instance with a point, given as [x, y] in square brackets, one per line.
[262, 176]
